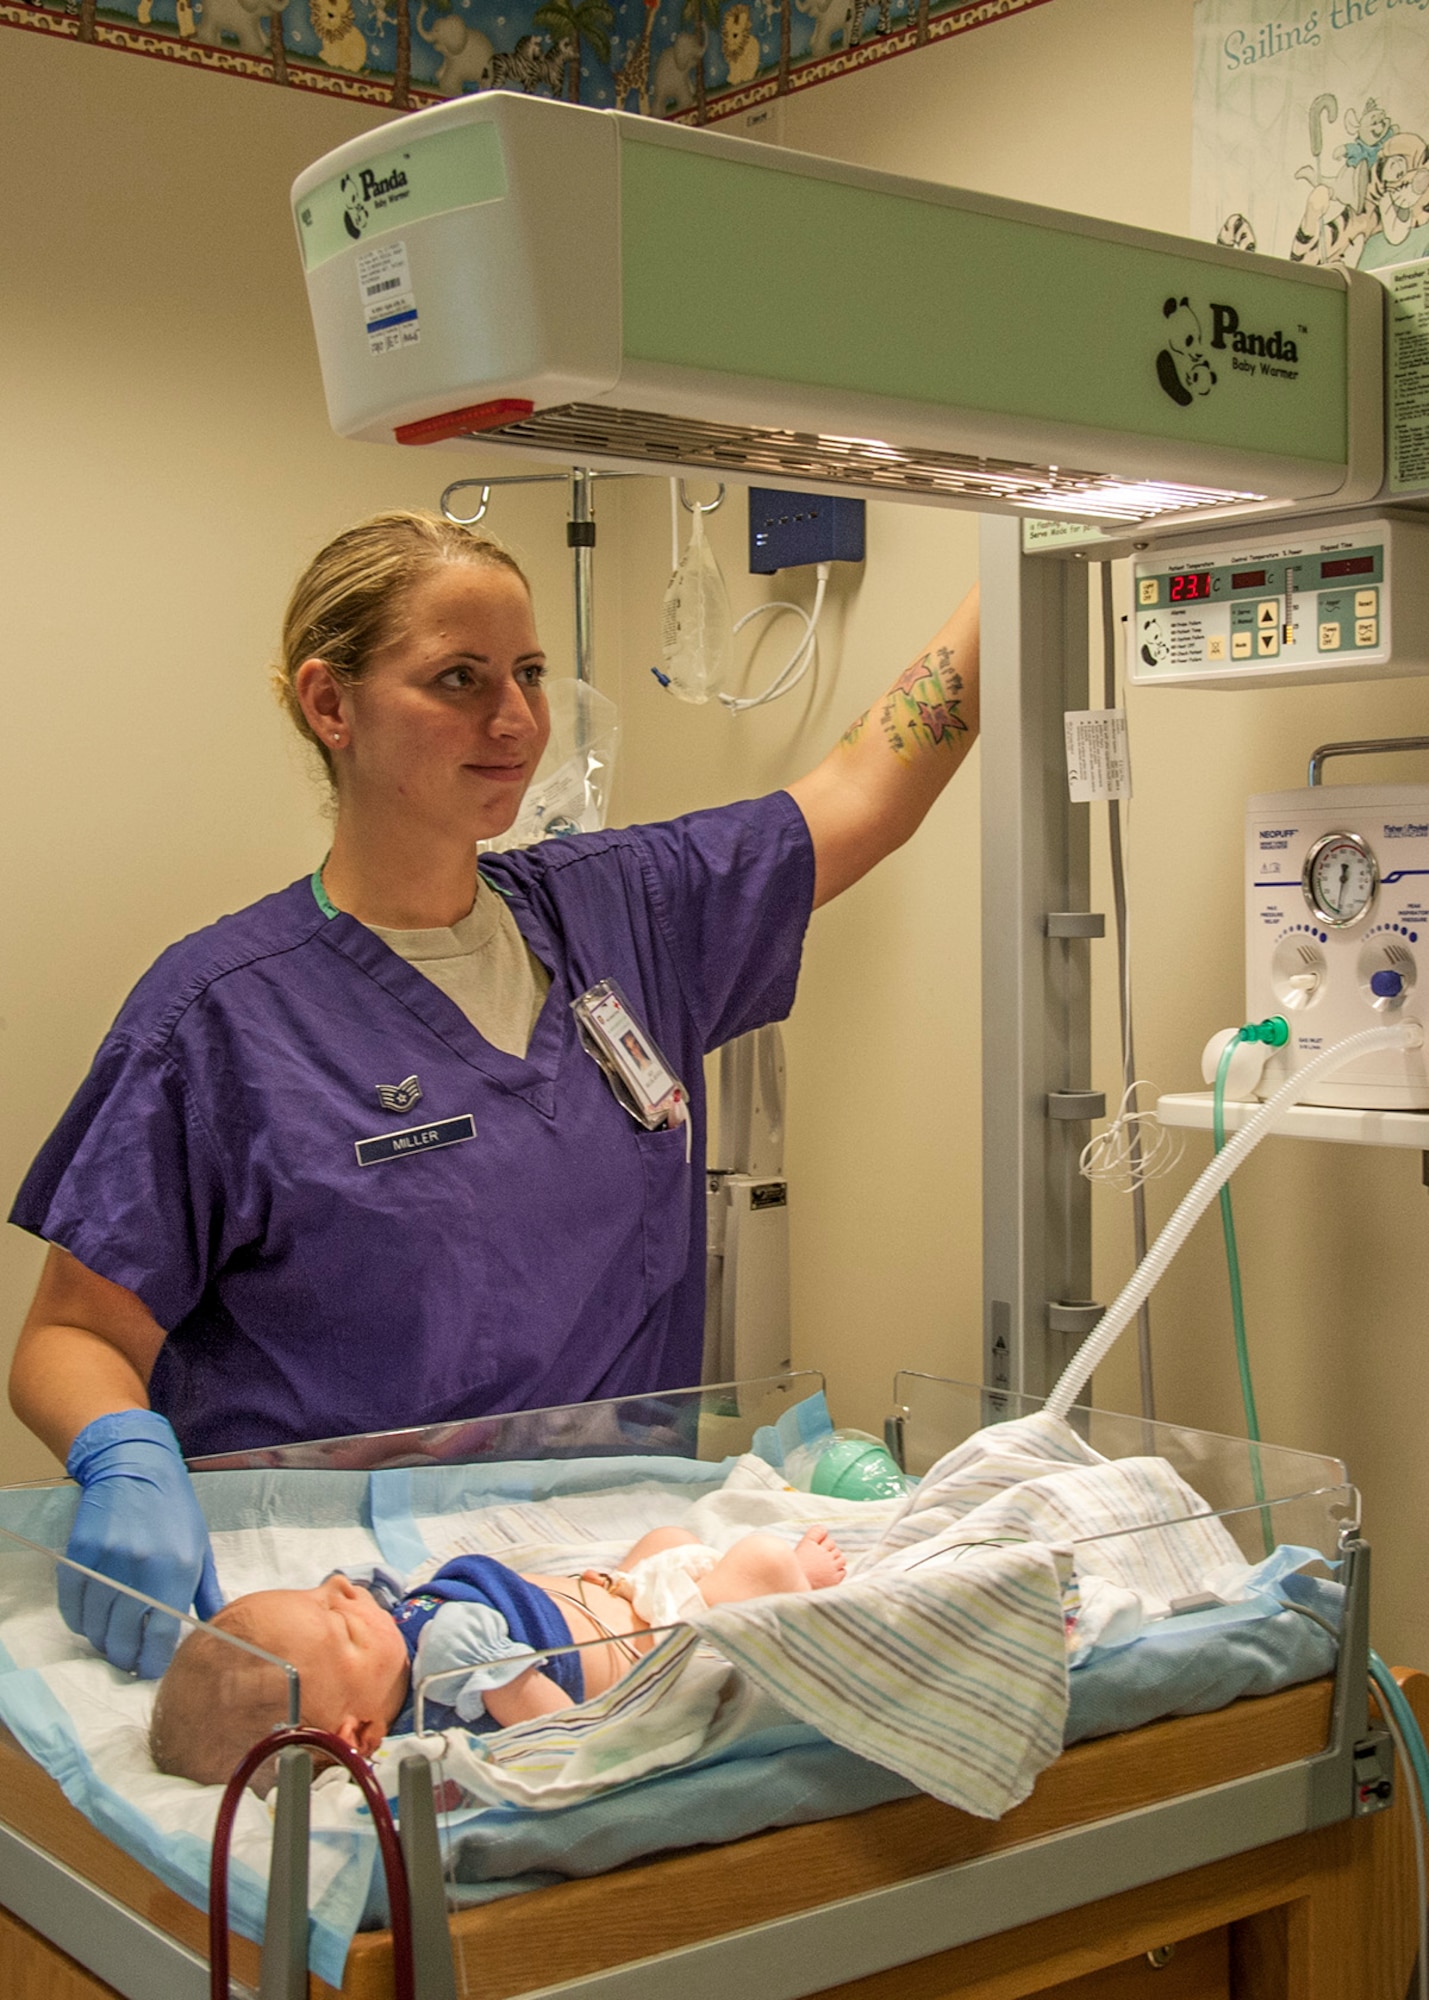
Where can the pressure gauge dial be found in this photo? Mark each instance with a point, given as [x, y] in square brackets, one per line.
[1340, 878]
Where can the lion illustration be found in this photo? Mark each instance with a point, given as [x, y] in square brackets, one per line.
[737, 40]
[343, 43]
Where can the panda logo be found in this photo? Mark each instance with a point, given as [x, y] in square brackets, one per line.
[1155, 647]
[354, 214]
[1181, 367]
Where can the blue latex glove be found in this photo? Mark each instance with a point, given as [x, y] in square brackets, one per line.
[139, 1521]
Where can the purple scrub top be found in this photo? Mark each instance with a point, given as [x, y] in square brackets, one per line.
[209, 1161]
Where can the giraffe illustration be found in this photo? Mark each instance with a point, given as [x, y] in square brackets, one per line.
[634, 72]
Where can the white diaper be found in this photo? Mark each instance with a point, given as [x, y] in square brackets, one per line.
[664, 1589]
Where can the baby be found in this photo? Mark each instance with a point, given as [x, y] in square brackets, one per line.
[359, 1645]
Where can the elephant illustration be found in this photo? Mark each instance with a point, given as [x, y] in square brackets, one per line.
[834, 20]
[239, 21]
[673, 87]
[466, 53]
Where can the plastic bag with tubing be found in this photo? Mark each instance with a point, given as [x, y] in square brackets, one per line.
[570, 792]
[697, 631]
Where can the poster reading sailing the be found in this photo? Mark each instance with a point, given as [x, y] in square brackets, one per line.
[1311, 129]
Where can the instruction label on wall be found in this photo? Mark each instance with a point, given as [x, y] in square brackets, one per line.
[389, 305]
[1408, 378]
[1098, 758]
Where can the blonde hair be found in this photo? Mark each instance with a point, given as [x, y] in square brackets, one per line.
[214, 1703]
[348, 600]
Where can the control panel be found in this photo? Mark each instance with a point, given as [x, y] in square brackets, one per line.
[1344, 601]
[1337, 932]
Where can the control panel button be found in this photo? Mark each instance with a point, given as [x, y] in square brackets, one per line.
[1366, 631]
[1329, 638]
[1267, 643]
[1241, 645]
[1366, 604]
[1267, 612]
[1148, 590]
[1216, 646]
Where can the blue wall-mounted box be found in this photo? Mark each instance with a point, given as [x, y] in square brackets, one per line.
[787, 530]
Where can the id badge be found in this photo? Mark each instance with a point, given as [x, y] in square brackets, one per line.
[639, 1075]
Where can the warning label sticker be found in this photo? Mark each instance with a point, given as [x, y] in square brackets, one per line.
[1409, 378]
[1098, 759]
[389, 305]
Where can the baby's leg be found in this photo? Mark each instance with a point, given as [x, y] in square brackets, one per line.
[656, 1542]
[763, 1566]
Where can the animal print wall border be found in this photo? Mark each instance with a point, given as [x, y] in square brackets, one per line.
[686, 60]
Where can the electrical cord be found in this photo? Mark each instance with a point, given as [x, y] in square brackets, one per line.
[1133, 1149]
[1131, 1127]
[799, 661]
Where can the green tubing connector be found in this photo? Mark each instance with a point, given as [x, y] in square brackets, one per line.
[1276, 1032]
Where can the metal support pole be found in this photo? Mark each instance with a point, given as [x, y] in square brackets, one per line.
[1035, 974]
[284, 1974]
[432, 1966]
[580, 533]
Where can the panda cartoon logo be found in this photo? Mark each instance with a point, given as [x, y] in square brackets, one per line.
[1181, 367]
[354, 214]
[1155, 647]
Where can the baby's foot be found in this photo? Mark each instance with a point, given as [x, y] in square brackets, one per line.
[820, 1558]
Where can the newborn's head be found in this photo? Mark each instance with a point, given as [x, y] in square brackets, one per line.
[216, 1700]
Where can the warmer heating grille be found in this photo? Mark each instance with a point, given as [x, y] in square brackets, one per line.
[584, 431]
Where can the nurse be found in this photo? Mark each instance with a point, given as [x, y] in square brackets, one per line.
[343, 1162]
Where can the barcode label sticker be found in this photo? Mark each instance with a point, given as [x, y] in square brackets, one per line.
[1098, 759]
[389, 305]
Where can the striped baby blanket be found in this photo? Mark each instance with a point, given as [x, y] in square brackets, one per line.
[953, 1674]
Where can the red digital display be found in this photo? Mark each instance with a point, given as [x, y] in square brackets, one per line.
[1196, 583]
[1247, 579]
[1348, 566]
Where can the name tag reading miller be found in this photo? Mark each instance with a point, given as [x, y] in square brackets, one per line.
[415, 1139]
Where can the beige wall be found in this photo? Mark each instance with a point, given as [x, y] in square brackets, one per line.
[883, 1149]
[167, 467]
[169, 464]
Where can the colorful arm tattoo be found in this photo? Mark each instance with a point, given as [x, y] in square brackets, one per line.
[922, 709]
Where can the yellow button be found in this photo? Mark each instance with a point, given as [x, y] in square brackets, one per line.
[1240, 645]
[1366, 604]
[1366, 631]
[1329, 638]
[1267, 612]
[1269, 644]
[1216, 646]
[1148, 590]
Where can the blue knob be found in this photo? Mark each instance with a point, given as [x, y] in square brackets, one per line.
[1386, 985]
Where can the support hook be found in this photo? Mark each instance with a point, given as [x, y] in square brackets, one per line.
[698, 507]
[466, 520]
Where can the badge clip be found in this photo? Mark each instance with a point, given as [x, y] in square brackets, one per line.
[639, 1075]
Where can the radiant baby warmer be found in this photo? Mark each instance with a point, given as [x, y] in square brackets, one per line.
[610, 290]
